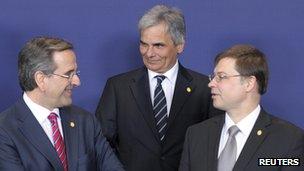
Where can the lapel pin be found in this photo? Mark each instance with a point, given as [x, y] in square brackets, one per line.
[72, 124]
[259, 132]
[188, 89]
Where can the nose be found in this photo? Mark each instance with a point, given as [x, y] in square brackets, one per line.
[150, 51]
[212, 83]
[76, 81]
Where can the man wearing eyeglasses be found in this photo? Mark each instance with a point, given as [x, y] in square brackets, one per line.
[246, 137]
[43, 130]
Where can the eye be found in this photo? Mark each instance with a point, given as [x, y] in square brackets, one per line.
[143, 44]
[221, 77]
[159, 45]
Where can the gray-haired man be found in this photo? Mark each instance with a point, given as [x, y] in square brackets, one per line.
[145, 112]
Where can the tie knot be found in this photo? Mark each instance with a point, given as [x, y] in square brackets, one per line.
[52, 117]
[233, 130]
[160, 78]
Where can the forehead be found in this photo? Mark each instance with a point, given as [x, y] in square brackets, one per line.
[65, 59]
[158, 31]
[226, 65]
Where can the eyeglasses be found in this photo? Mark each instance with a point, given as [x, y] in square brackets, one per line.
[69, 77]
[220, 77]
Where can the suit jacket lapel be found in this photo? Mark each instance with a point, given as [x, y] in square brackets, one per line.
[214, 140]
[70, 130]
[183, 90]
[33, 132]
[254, 141]
[141, 91]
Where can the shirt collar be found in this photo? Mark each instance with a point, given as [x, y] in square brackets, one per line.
[171, 74]
[246, 124]
[41, 113]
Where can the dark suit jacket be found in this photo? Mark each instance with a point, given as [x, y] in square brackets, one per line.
[25, 146]
[279, 139]
[125, 111]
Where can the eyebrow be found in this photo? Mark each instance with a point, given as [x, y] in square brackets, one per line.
[142, 42]
[69, 72]
[153, 44]
[157, 44]
[221, 72]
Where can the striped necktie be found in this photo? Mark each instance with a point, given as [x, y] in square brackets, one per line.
[58, 141]
[160, 107]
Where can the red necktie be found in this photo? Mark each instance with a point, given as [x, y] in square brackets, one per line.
[58, 141]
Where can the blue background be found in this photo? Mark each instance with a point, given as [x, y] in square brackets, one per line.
[106, 41]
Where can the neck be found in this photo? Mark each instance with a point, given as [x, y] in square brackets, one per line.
[37, 98]
[238, 114]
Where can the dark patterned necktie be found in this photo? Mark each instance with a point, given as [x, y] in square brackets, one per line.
[58, 141]
[160, 107]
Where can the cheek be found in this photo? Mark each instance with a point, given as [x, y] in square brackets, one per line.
[227, 91]
[233, 93]
[170, 56]
[142, 51]
[62, 87]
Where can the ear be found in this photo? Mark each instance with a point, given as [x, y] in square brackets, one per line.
[180, 48]
[40, 79]
[251, 83]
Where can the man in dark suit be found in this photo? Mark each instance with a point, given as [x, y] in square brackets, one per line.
[145, 112]
[43, 131]
[246, 137]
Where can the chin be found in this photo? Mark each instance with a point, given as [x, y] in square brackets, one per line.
[66, 102]
[153, 68]
[218, 106]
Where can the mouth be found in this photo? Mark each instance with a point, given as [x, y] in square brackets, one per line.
[214, 95]
[152, 58]
[152, 61]
[68, 92]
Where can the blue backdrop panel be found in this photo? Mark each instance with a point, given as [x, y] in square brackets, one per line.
[106, 41]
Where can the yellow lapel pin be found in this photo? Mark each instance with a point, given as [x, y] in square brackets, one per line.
[259, 132]
[188, 89]
[72, 124]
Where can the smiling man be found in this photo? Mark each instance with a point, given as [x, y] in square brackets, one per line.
[43, 130]
[145, 112]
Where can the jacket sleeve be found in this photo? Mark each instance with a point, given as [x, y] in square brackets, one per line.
[185, 159]
[106, 114]
[9, 158]
[297, 151]
[106, 158]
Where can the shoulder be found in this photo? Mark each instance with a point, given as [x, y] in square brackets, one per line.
[193, 75]
[127, 75]
[205, 126]
[9, 115]
[75, 111]
[78, 115]
[284, 127]
[197, 75]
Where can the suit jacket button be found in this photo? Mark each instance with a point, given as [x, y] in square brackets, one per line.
[163, 158]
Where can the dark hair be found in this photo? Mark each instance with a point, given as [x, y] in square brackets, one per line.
[171, 17]
[37, 55]
[249, 62]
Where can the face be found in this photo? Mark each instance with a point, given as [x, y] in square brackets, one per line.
[228, 93]
[157, 48]
[58, 89]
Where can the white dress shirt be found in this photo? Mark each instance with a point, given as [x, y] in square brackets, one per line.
[168, 84]
[41, 114]
[245, 126]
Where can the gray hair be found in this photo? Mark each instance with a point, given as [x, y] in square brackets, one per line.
[37, 55]
[171, 17]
